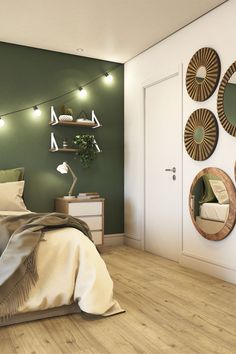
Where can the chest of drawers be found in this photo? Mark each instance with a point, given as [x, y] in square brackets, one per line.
[89, 210]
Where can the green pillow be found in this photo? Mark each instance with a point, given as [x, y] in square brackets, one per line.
[208, 196]
[12, 175]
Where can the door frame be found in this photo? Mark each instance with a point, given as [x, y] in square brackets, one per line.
[153, 81]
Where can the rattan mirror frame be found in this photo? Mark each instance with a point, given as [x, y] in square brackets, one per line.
[229, 127]
[208, 58]
[205, 119]
[230, 222]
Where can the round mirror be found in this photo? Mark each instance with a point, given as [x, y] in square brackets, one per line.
[198, 134]
[226, 100]
[203, 74]
[212, 203]
[201, 134]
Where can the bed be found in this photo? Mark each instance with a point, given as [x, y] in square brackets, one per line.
[212, 217]
[214, 211]
[71, 275]
[210, 203]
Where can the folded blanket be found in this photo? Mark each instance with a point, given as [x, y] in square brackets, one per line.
[19, 239]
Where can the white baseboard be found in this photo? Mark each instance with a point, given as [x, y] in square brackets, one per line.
[132, 242]
[207, 267]
[114, 240]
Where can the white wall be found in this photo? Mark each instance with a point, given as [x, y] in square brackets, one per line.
[217, 30]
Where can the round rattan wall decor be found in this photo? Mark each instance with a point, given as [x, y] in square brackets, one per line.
[201, 134]
[227, 124]
[203, 74]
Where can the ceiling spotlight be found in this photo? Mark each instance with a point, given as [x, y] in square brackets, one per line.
[37, 111]
[82, 92]
[108, 78]
[1, 122]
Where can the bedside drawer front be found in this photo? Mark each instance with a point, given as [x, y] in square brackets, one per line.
[85, 208]
[94, 222]
[97, 237]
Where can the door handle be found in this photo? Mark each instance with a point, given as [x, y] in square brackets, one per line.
[171, 169]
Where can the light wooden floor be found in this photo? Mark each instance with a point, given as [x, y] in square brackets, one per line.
[170, 309]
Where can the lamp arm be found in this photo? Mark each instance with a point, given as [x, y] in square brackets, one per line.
[74, 180]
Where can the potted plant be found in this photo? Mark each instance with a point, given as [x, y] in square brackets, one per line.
[87, 148]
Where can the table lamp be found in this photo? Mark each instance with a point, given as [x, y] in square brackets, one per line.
[64, 168]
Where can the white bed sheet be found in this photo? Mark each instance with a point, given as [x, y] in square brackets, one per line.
[70, 269]
[214, 211]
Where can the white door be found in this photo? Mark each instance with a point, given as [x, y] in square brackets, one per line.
[163, 150]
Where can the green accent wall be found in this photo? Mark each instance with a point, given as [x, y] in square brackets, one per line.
[29, 76]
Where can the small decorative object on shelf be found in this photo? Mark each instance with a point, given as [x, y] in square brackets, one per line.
[54, 146]
[67, 114]
[65, 144]
[83, 116]
[65, 118]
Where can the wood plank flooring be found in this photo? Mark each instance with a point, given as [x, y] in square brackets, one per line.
[169, 309]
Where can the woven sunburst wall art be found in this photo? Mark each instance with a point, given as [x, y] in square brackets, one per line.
[201, 134]
[203, 74]
[227, 118]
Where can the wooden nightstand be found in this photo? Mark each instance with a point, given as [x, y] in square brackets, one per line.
[89, 210]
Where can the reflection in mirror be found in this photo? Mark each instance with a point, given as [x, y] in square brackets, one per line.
[201, 74]
[199, 134]
[212, 203]
[226, 99]
[230, 100]
[210, 215]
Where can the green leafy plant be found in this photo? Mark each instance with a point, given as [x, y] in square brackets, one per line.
[87, 150]
[66, 110]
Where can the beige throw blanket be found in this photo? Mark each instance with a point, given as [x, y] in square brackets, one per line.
[19, 239]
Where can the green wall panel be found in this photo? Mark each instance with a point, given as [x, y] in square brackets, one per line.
[29, 76]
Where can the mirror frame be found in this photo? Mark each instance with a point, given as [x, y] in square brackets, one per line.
[229, 127]
[230, 222]
[205, 119]
[207, 57]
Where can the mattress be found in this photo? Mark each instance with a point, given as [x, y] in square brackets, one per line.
[214, 211]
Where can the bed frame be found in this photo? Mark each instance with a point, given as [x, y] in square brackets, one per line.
[209, 226]
[38, 315]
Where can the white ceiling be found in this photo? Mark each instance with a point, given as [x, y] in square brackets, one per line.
[114, 30]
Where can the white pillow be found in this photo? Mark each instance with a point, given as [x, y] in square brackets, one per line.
[220, 191]
[11, 196]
